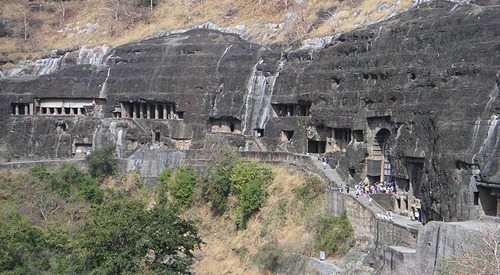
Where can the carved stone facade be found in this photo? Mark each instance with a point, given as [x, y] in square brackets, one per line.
[413, 100]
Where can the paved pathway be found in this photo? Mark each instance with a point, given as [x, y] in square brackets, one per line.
[332, 174]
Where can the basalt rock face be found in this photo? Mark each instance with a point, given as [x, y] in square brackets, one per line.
[420, 92]
[412, 100]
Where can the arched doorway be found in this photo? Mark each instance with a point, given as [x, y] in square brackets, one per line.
[379, 162]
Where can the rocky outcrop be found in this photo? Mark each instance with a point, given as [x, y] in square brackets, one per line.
[412, 100]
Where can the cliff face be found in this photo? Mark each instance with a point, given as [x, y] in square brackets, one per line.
[412, 100]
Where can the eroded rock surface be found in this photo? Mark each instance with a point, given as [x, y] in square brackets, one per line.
[413, 100]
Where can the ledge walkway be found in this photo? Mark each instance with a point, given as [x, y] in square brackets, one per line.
[375, 208]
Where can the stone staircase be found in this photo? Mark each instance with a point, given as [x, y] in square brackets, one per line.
[374, 207]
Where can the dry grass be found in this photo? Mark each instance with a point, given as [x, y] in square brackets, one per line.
[228, 251]
[136, 24]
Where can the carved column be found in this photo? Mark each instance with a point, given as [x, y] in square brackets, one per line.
[172, 106]
[164, 111]
[141, 110]
[134, 110]
[26, 110]
[148, 111]
[16, 109]
[496, 194]
[122, 110]
[156, 111]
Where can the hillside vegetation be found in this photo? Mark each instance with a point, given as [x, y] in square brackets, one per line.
[238, 216]
[33, 28]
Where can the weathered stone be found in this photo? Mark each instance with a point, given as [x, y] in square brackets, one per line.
[418, 92]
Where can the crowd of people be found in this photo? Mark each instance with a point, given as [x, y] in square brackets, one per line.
[364, 188]
[387, 216]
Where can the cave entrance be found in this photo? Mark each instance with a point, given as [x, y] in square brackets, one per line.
[259, 132]
[381, 152]
[315, 146]
[286, 135]
[489, 200]
[157, 135]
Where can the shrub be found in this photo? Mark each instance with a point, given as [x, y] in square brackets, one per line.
[103, 163]
[269, 256]
[182, 186]
[334, 235]
[163, 181]
[249, 180]
[70, 180]
[218, 185]
[312, 188]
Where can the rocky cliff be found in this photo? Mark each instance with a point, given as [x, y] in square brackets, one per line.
[412, 100]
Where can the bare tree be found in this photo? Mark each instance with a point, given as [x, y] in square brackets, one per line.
[24, 16]
[121, 14]
[62, 8]
[484, 259]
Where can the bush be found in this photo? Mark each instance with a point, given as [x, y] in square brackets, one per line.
[334, 235]
[70, 180]
[312, 189]
[103, 163]
[249, 180]
[269, 256]
[217, 184]
[163, 181]
[182, 186]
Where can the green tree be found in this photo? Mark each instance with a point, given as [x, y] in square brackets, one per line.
[103, 163]
[21, 244]
[120, 237]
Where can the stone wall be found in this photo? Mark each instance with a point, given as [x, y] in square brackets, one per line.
[370, 232]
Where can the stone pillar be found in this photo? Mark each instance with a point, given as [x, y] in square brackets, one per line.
[16, 109]
[134, 110]
[172, 111]
[122, 110]
[26, 110]
[148, 111]
[141, 110]
[79, 111]
[71, 111]
[496, 193]
[498, 206]
[164, 111]
[403, 204]
[32, 109]
[156, 111]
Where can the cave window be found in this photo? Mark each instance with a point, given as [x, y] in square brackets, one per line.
[259, 132]
[61, 127]
[316, 147]
[487, 201]
[358, 135]
[157, 136]
[342, 137]
[180, 115]
[288, 135]
[476, 198]
[352, 172]
[231, 127]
